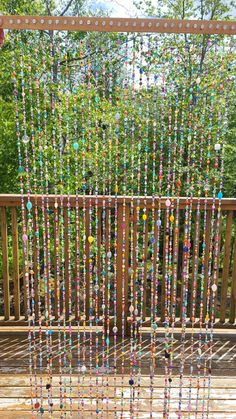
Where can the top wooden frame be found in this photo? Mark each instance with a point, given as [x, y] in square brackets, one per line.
[100, 24]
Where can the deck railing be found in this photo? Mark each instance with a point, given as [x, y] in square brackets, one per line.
[132, 236]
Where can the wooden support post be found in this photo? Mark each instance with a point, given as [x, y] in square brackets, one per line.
[233, 288]
[194, 276]
[56, 261]
[206, 259]
[145, 254]
[5, 266]
[226, 263]
[163, 290]
[87, 274]
[122, 266]
[15, 254]
[66, 257]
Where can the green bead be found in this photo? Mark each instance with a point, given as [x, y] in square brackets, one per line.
[41, 410]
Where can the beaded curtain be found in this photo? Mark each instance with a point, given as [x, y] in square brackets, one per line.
[102, 119]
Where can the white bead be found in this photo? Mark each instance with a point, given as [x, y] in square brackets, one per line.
[217, 147]
[131, 309]
[136, 312]
[214, 287]
[56, 205]
[83, 368]
[115, 329]
[109, 255]
[25, 139]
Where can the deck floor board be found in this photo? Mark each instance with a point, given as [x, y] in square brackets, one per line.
[15, 389]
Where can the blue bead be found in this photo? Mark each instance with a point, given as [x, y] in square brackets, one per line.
[131, 382]
[29, 206]
[75, 146]
[20, 169]
[220, 195]
[152, 240]
[185, 249]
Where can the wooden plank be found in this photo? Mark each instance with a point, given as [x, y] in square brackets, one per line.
[175, 261]
[15, 255]
[106, 24]
[99, 238]
[19, 404]
[5, 266]
[35, 261]
[233, 287]
[9, 392]
[77, 265]
[226, 263]
[145, 254]
[163, 291]
[194, 275]
[57, 414]
[8, 200]
[87, 274]
[217, 263]
[206, 259]
[66, 258]
[122, 266]
[23, 380]
[56, 262]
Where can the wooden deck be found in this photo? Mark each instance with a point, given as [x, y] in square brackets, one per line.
[15, 388]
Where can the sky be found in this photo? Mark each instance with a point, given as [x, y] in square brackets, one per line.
[116, 8]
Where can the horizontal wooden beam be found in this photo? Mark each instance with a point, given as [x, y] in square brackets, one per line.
[105, 24]
[8, 200]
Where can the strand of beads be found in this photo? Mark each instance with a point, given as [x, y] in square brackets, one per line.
[46, 220]
[14, 40]
[186, 243]
[109, 255]
[222, 123]
[36, 256]
[175, 215]
[61, 240]
[169, 218]
[86, 240]
[104, 186]
[211, 236]
[115, 328]
[137, 294]
[89, 174]
[54, 62]
[132, 239]
[153, 237]
[68, 223]
[75, 146]
[97, 225]
[125, 218]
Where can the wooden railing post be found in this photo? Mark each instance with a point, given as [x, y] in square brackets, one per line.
[5, 267]
[233, 287]
[15, 255]
[123, 221]
[226, 263]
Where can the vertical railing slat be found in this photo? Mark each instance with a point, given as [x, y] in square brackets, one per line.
[206, 259]
[145, 254]
[194, 264]
[233, 287]
[66, 258]
[226, 264]
[5, 266]
[122, 267]
[15, 254]
[163, 291]
[87, 274]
